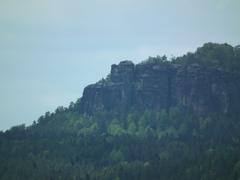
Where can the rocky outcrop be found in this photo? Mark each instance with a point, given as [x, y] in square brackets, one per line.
[164, 85]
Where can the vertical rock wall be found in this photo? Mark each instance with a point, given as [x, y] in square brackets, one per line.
[156, 86]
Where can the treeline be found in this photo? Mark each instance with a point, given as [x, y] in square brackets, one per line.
[221, 56]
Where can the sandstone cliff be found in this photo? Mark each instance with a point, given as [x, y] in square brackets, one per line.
[164, 85]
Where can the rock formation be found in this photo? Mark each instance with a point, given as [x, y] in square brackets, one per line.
[164, 85]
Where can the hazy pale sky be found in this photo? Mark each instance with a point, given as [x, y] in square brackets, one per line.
[51, 49]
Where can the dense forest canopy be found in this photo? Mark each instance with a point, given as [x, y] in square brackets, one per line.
[168, 143]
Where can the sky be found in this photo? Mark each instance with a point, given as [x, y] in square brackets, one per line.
[51, 49]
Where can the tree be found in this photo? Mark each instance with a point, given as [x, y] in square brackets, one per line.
[115, 128]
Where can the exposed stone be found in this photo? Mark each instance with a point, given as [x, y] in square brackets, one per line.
[124, 72]
[155, 86]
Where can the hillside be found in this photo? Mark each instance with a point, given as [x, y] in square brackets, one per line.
[175, 119]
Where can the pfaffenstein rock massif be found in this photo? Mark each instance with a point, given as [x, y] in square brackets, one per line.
[163, 85]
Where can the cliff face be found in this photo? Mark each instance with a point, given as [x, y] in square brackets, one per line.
[155, 86]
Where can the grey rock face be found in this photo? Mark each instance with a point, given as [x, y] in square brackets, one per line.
[155, 86]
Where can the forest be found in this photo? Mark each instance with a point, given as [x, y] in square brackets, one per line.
[170, 143]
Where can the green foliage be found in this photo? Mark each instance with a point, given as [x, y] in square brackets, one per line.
[115, 128]
[222, 56]
[132, 128]
[165, 144]
[117, 156]
[156, 60]
[210, 55]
